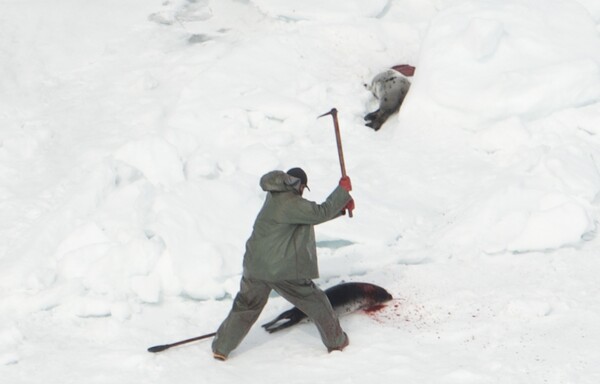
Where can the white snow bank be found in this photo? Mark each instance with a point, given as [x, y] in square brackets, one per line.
[492, 60]
[519, 220]
[522, 78]
[553, 227]
[539, 200]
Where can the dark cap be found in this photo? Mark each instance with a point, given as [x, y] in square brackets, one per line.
[299, 174]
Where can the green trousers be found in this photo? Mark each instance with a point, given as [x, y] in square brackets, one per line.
[253, 297]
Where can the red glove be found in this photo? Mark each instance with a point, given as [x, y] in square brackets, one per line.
[350, 205]
[346, 183]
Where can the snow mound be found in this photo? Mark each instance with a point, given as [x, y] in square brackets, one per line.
[511, 58]
[155, 158]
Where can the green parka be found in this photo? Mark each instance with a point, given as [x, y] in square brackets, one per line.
[282, 245]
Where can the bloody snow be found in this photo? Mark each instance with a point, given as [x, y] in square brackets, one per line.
[133, 135]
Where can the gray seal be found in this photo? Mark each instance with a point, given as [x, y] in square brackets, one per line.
[390, 87]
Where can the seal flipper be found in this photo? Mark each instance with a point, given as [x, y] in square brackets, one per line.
[282, 316]
[371, 116]
[293, 316]
[285, 325]
[376, 119]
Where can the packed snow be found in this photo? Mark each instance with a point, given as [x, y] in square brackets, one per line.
[133, 135]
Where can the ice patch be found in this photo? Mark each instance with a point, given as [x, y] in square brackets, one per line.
[334, 244]
[199, 38]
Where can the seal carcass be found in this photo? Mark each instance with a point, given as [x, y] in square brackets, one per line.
[344, 298]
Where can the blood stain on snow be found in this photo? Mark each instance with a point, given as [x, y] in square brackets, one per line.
[398, 313]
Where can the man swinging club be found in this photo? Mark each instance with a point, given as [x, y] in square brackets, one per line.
[281, 255]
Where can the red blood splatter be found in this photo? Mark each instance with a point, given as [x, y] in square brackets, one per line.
[397, 312]
[375, 308]
[384, 312]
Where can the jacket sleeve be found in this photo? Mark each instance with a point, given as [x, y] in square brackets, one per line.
[303, 211]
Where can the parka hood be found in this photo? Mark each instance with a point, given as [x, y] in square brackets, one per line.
[279, 181]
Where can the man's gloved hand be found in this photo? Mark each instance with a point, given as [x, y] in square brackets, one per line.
[346, 183]
[350, 205]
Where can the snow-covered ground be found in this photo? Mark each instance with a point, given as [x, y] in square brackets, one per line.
[133, 134]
